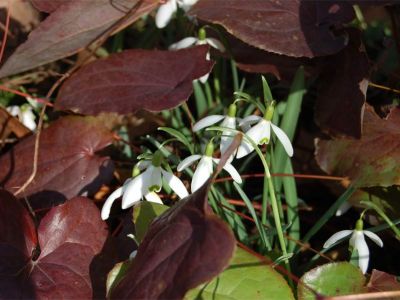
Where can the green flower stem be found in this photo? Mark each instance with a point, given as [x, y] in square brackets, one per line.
[384, 216]
[274, 203]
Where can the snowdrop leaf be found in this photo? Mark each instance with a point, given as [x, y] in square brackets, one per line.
[179, 136]
[71, 27]
[247, 277]
[167, 264]
[68, 164]
[134, 79]
[69, 236]
[373, 160]
[331, 279]
[293, 28]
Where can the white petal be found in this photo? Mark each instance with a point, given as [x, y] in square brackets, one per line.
[374, 237]
[227, 136]
[14, 110]
[28, 119]
[284, 139]
[133, 191]
[207, 121]
[188, 161]
[216, 44]
[133, 254]
[153, 197]
[203, 79]
[143, 164]
[231, 170]
[105, 211]
[186, 4]
[250, 120]
[175, 183]
[337, 236]
[362, 250]
[256, 134]
[165, 12]
[155, 180]
[343, 208]
[184, 43]
[203, 172]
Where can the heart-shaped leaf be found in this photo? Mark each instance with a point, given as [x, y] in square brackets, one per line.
[48, 6]
[381, 282]
[245, 278]
[332, 279]
[71, 27]
[184, 247]
[67, 164]
[70, 235]
[373, 160]
[293, 28]
[135, 79]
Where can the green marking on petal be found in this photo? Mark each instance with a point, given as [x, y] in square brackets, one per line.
[154, 188]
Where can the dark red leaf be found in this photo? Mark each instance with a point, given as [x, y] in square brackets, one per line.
[49, 6]
[67, 164]
[374, 160]
[342, 89]
[185, 246]
[292, 28]
[382, 282]
[70, 235]
[133, 80]
[69, 29]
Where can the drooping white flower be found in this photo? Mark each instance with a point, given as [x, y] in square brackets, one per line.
[202, 39]
[24, 114]
[145, 185]
[357, 241]
[167, 10]
[228, 121]
[205, 167]
[261, 133]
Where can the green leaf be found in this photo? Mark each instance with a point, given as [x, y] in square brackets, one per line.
[179, 136]
[117, 273]
[246, 278]
[143, 215]
[332, 279]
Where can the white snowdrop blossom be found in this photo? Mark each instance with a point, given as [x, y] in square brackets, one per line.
[200, 40]
[228, 121]
[357, 241]
[145, 185]
[167, 10]
[24, 114]
[205, 168]
[261, 133]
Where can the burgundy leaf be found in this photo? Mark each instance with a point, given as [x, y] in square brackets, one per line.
[17, 240]
[373, 160]
[293, 28]
[49, 6]
[382, 282]
[133, 80]
[70, 235]
[67, 163]
[342, 89]
[70, 28]
[185, 246]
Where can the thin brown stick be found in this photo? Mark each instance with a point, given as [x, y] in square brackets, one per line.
[98, 41]
[366, 296]
[382, 87]
[3, 45]
[301, 176]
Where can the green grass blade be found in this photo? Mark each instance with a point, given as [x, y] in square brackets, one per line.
[289, 187]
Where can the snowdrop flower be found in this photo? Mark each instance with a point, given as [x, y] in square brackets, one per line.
[24, 114]
[357, 241]
[261, 133]
[167, 10]
[145, 185]
[201, 40]
[205, 167]
[228, 121]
